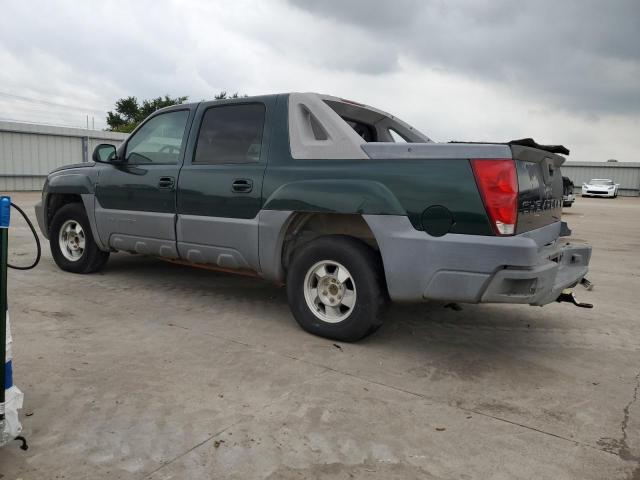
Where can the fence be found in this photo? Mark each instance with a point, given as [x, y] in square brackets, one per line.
[28, 152]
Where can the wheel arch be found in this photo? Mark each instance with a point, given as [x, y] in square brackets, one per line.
[55, 201]
[299, 228]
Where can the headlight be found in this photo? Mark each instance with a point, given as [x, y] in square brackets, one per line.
[611, 188]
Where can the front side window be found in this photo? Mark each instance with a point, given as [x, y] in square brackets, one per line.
[159, 140]
[230, 134]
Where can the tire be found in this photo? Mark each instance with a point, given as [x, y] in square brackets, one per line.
[83, 255]
[364, 288]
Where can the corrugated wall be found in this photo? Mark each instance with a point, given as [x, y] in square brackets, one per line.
[627, 174]
[28, 152]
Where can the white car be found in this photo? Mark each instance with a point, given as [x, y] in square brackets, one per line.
[600, 187]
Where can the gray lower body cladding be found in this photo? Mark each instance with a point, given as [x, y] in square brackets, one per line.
[39, 208]
[531, 268]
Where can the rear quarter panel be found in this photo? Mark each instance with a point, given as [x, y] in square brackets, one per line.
[396, 187]
[410, 185]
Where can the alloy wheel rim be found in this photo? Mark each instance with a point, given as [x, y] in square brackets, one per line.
[330, 291]
[72, 240]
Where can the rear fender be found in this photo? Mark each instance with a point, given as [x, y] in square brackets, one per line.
[335, 196]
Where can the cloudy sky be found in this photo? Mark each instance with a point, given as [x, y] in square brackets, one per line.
[559, 71]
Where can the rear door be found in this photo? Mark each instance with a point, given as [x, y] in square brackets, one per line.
[220, 184]
[136, 206]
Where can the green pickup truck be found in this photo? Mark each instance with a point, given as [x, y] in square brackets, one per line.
[345, 204]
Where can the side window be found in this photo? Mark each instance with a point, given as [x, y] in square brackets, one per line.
[230, 134]
[159, 140]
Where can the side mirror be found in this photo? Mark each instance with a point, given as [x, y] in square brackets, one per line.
[104, 153]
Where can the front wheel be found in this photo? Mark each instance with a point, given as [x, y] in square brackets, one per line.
[335, 288]
[71, 241]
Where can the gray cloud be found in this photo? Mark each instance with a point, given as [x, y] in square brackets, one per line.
[584, 56]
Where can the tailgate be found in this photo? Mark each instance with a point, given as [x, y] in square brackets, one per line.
[540, 187]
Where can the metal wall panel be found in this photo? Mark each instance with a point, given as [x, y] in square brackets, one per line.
[28, 152]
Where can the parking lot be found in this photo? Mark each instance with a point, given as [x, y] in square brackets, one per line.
[159, 371]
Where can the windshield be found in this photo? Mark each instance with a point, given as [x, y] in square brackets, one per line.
[596, 181]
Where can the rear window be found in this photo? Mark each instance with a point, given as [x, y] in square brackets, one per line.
[230, 134]
[374, 125]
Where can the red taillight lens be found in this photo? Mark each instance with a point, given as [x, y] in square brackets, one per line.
[498, 186]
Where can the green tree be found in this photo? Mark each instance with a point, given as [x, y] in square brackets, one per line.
[224, 96]
[129, 112]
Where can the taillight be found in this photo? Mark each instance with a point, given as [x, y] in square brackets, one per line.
[498, 186]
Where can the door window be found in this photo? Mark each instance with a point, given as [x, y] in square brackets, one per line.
[158, 141]
[230, 134]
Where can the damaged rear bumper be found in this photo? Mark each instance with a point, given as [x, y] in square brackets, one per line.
[530, 268]
[561, 268]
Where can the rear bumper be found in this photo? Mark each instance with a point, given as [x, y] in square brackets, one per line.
[531, 268]
[561, 268]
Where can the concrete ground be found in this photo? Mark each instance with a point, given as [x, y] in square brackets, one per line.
[149, 370]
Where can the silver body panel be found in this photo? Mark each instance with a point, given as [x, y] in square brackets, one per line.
[148, 233]
[437, 151]
[225, 242]
[475, 268]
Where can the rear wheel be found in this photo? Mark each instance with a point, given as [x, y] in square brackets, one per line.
[72, 245]
[335, 288]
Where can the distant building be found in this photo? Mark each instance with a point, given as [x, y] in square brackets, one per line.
[28, 151]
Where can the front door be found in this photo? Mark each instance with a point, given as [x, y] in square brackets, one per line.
[136, 200]
[220, 186]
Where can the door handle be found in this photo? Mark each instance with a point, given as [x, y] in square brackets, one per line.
[166, 182]
[242, 185]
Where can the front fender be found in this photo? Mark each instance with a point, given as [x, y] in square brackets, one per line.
[335, 196]
[77, 183]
